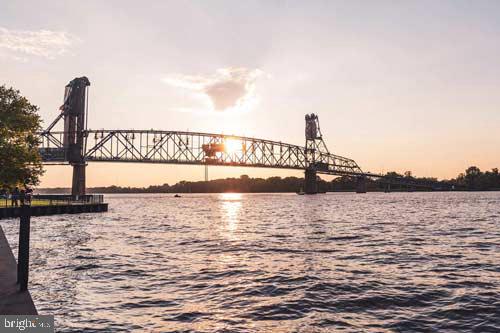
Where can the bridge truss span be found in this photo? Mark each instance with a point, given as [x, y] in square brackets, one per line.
[176, 147]
[191, 148]
[76, 145]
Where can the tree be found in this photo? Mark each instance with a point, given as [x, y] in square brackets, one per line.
[460, 179]
[472, 175]
[20, 163]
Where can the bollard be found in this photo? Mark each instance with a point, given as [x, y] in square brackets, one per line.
[24, 248]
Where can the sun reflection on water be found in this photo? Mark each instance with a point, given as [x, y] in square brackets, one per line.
[230, 209]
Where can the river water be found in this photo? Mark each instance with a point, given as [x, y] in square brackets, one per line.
[377, 262]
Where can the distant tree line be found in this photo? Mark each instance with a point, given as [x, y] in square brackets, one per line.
[473, 180]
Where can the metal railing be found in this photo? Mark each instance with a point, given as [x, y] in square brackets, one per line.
[51, 200]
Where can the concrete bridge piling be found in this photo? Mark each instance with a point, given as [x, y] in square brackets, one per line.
[311, 182]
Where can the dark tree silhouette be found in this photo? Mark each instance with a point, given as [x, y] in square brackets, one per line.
[20, 162]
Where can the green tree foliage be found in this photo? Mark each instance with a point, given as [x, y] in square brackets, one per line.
[20, 162]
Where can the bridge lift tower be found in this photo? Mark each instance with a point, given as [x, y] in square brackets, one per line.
[74, 112]
[317, 158]
[314, 146]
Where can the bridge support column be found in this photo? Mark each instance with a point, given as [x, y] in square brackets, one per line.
[311, 182]
[361, 184]
[78, 185]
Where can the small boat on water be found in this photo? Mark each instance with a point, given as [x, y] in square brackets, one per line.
[177, 196]
[301, 192]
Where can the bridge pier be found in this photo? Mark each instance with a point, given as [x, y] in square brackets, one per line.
[311, 182]
[78, 184]
[361, 184]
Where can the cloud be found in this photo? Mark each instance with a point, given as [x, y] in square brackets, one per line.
[228, 89]
[42, 43]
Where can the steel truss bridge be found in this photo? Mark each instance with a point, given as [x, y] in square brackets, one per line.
[172, 147]
[76, 145]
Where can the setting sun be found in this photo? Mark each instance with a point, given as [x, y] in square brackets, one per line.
[232, 146]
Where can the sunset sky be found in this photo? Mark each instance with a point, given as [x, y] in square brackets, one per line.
[397, 85]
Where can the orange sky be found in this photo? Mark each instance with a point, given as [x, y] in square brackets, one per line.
[397, 86]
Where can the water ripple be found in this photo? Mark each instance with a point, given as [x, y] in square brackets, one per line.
[405, 262]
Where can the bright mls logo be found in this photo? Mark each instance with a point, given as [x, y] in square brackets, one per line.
[27, 324]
